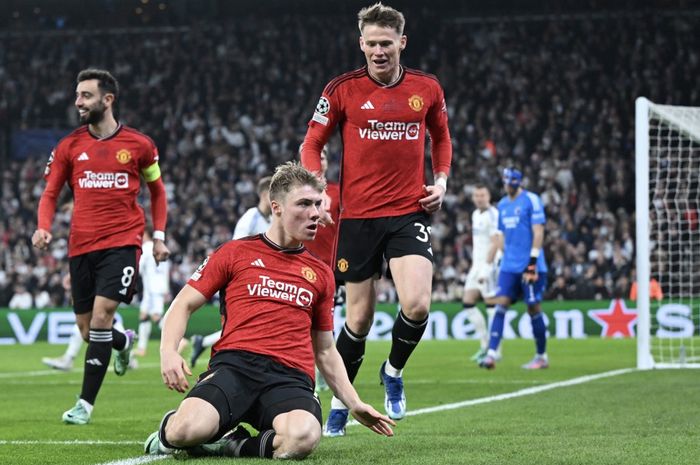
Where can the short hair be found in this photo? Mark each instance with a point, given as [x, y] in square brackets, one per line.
[290, 175]
[481, 185]
[264, 184]
[105, 81]
[381, 15]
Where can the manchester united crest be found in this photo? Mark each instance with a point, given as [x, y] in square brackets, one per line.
[308, 274]
[343, 265]
[123, 156]
[415, 102]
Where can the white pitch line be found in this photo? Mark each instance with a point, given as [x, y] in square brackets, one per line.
[16, 374]
[76, 442]
[138, 460]
[511, 395]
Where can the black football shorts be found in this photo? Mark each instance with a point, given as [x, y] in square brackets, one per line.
[111, 273]
[253, 388]
[363, 244]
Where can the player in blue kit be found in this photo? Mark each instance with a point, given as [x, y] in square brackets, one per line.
[523, 272]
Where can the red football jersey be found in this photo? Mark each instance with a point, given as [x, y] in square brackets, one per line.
[104, 175]
[323, 245]
[383, 131]
[271, 299]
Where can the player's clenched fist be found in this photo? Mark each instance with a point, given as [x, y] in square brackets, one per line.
[41, 239]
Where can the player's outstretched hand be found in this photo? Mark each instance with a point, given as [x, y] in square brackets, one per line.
[433, 198]
[174, 371]
[368, 416]
[41, 239]
[160, 251]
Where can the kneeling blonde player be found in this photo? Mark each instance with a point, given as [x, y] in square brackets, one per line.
[481, 280]
[277, 320]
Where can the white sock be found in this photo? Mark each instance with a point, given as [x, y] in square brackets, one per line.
[87, 406]
[337, 404]
[391, 371]
[477, 320]
[211, 339]
[144, 334]
[74, 343]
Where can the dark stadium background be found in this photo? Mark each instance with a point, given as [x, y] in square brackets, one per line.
[226, 88]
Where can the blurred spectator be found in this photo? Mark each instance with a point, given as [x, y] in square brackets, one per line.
[552, 95]
[21, 299]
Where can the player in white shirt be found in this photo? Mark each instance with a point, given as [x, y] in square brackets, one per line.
[156, 286]
[255, 220]
[483, 275]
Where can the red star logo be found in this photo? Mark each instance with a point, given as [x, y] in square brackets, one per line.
[616, 321]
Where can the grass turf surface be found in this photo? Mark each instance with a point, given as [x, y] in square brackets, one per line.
[634, 418]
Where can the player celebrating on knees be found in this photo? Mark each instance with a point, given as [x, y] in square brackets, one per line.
[383, 110]
[481, 280]
[523, 271]
[102, 162]
[277, 302]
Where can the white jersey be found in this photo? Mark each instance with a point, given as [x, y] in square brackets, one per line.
[484, 227]
[156, 279]
[252, 222]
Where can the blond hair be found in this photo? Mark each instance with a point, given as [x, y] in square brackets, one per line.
[382, 16]
[290, 175]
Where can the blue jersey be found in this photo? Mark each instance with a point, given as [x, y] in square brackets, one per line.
[515, 220]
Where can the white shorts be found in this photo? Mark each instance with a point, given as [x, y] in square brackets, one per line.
[487, 287]
[152, 303]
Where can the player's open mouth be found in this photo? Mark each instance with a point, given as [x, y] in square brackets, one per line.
[83, 111]
[380, 62]
[312, 227]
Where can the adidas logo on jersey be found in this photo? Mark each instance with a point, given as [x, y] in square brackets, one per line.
[258, 262]
[83, 156]
[367, 106]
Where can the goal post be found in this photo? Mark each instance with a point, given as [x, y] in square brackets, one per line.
[667, 191]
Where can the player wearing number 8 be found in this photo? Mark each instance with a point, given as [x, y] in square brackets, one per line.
[102, 162]
[384, 112]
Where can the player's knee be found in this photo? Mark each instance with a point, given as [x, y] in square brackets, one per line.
[300, 442]
[416, 309]
[155, 318]
[181, 432]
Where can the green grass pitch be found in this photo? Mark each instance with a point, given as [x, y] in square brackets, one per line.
[630, 418]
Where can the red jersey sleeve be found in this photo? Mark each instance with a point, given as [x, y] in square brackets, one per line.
[56, 173]
[440, 141]
[322, 319]
[324, 120]
[148, 165]
[214, 273]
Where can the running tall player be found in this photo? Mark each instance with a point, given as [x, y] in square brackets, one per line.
[383, 110]
[102, 162]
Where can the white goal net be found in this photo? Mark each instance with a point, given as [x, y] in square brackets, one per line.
[668, 235]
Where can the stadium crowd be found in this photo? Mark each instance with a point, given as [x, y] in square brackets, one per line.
[227, 102]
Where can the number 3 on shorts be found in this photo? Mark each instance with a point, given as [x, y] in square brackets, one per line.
[423, 232]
